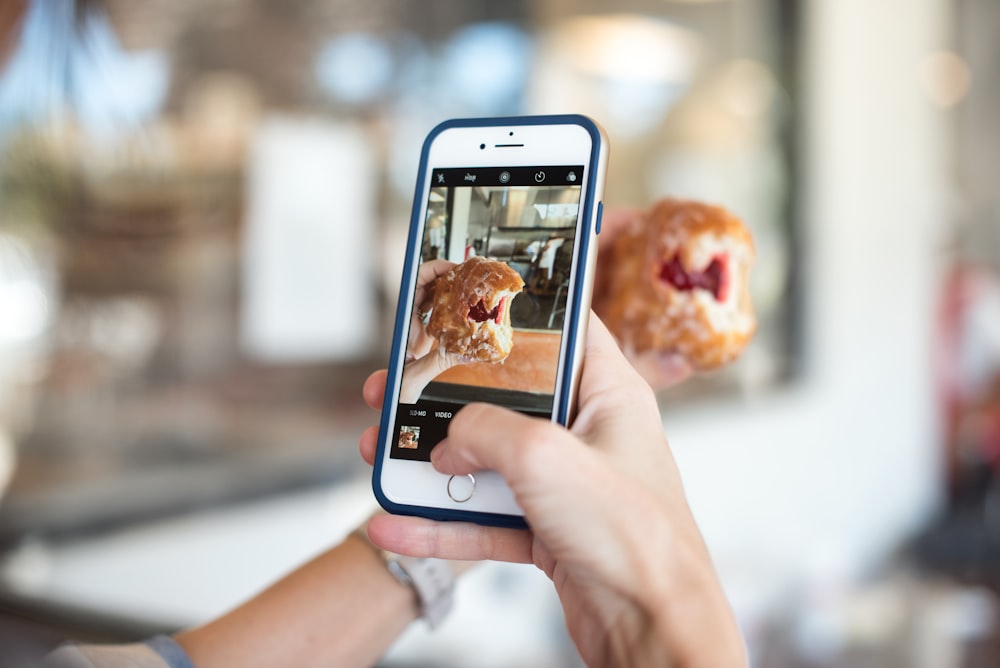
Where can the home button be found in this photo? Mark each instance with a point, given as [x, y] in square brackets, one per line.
[461, 487]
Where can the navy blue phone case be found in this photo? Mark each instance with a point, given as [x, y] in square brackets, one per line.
[398, 340]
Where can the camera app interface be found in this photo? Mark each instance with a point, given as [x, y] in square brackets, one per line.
[490, 297]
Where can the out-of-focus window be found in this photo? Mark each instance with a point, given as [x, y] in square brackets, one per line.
[203, 206]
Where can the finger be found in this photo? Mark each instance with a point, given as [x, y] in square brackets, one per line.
[662, 370]
[432, 269]
[613, 397]
[374, 388]
[484, 436]
[674, 369]
[418, 537]
[368, 443]
[481, 436]
[606, 371]
[423, 298]
[614, 221]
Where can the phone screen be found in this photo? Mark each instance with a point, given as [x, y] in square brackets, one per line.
[526, 218]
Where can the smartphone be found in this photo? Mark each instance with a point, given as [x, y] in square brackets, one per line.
[520, 197]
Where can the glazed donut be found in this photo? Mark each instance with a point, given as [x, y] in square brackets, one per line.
[470, 316]
[677, 281]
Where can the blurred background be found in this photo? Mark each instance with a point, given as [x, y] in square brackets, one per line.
[202, 210]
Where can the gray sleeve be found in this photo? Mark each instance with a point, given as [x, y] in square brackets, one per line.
[158, 652]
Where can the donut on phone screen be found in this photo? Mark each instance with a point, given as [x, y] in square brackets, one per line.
[678, 283]
[470, 316]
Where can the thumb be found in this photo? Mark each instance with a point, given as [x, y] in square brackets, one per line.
[608, 378]
[486, 437]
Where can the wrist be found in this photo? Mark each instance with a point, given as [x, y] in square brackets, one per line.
[431, 582]
[419, 373]
[289, 622]
[702, 629]
[685, 607]
[375, 564]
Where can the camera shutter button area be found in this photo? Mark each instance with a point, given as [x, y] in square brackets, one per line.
[461, 487]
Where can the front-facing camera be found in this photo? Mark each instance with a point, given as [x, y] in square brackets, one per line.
[482, 146]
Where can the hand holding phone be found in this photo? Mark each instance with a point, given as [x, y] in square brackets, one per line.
[609, 521]
[494, 298]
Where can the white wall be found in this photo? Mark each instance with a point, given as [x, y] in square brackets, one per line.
[821, 480]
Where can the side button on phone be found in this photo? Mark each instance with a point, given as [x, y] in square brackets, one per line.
[461, 487]
[600, 215]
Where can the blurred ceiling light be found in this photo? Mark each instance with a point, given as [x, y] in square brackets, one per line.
[945, 77]
[486, 64]
[748, 88]
[355, 68]
[629, 47]
[626, 69]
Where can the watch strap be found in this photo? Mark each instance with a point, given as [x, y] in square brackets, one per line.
[432, 580]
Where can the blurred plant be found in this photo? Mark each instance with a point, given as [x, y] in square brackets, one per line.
[36, 183]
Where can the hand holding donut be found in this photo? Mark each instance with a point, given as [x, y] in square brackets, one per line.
[420, 342]
[461, 315]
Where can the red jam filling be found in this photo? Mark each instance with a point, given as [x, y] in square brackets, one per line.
[478, 313]
[714, 278]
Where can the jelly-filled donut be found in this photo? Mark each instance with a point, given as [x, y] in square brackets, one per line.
[471, 310]
[677, 282]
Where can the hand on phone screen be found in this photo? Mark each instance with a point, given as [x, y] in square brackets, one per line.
[420, 342]
[424, 361]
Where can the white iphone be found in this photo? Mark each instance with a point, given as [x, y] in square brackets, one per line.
[494, 299]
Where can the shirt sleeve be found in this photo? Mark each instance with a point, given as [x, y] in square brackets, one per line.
[157, 652]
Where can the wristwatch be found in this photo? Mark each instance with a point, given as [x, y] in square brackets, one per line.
[432, 580]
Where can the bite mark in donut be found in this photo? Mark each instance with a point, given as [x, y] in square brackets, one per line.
[478, 312]
[714, 278]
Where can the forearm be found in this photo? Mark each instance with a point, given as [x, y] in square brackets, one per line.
[343, 608]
